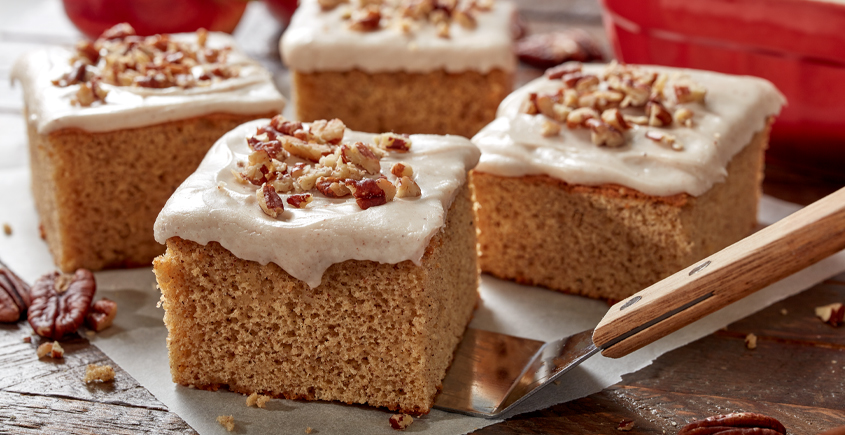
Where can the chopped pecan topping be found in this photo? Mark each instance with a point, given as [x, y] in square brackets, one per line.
[333, 187]
[361, 155]
[56, 312]
[270, 201]
[664, 139]
[367, 19]
[328, 5]
[120, 58]
[407, 188]
[367, 193]
[393, 142]
[328, 131]
[583, 97]
[402, 170]
[300, 200]
[604, 134]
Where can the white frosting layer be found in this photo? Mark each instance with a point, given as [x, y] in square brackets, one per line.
[734, 109]
[319, 40]
[306, 242]
[50, 108]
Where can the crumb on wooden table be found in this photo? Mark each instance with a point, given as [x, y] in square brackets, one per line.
[227, 421]
[751, 341]
[308, 429]
[53, 349]
[95, 372]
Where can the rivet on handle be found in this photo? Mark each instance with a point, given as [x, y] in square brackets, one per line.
[699, 268]
[630, 302]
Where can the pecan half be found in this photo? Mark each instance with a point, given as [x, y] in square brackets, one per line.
[14, 295]
[55, 312]
[735, 424]
[101, 315]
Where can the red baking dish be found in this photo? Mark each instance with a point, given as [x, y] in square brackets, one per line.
[799, 45]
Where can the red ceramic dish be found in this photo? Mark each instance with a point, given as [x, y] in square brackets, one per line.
[799, 45]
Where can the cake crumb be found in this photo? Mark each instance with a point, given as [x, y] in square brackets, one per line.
[308, 430]
[258, 400]
[96, 372]
[7, 229]
[751, 341]
[783, 312]
[400, 421]
[227, 421]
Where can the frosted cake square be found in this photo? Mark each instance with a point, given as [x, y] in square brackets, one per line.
[117, 123]
[313, 262]
[408, 66]
[601, 180]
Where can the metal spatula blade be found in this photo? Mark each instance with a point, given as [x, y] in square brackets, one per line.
[491, 372]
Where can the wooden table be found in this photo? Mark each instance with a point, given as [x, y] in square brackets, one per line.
[796, 373]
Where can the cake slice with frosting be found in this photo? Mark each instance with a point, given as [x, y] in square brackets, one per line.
[408, 66]
[309, 261]
[600, 180]
[116, 124]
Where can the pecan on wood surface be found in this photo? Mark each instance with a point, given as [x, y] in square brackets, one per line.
[14, 295]
[61, 302]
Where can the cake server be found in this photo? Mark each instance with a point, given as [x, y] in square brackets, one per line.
[493, 372]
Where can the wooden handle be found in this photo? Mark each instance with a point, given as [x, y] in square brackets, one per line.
[793, 243]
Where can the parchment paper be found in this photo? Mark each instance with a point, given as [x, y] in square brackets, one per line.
[137, 340]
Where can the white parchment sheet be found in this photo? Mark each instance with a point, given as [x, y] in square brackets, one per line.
[137, 340]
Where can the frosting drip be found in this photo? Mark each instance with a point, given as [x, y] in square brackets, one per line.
[50, 107]
[734, 110]
[212, 206]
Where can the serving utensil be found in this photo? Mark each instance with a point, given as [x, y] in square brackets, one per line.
[493, 372]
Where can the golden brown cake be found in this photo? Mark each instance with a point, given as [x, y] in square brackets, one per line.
[402, 66]
[118, 123]
[349, 274]
[601, 181]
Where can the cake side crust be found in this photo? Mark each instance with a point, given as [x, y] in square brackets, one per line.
[608, 242]
[98, 194]
[436, 102]
[381, 334]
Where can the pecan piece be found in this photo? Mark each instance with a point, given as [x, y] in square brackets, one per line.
[834, 314]
[101, 315]
[305, 150]
[300, 200]
[361, 155]
[657, 114]
[604, 134]
[402, 170]
[283, 126]
[408, 188]
[614, 118]
[55, 312]
[400, 421]
[269, 200]
[563, 69]
[664, 139]
[14, 295]
[550, 49]
[765, 425]
[367, 193]
[367, 19]
[578, 117]
[332, 187]
[118, 31]
[328, 131]
[393, 142]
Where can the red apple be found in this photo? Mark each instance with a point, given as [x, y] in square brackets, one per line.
[282, 9]
[149, 17]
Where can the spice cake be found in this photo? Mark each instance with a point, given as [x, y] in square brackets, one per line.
[601, 180]
[313, 262]
[408, 66]
[117, 123]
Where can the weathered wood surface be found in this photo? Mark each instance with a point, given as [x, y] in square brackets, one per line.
[796, 374]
